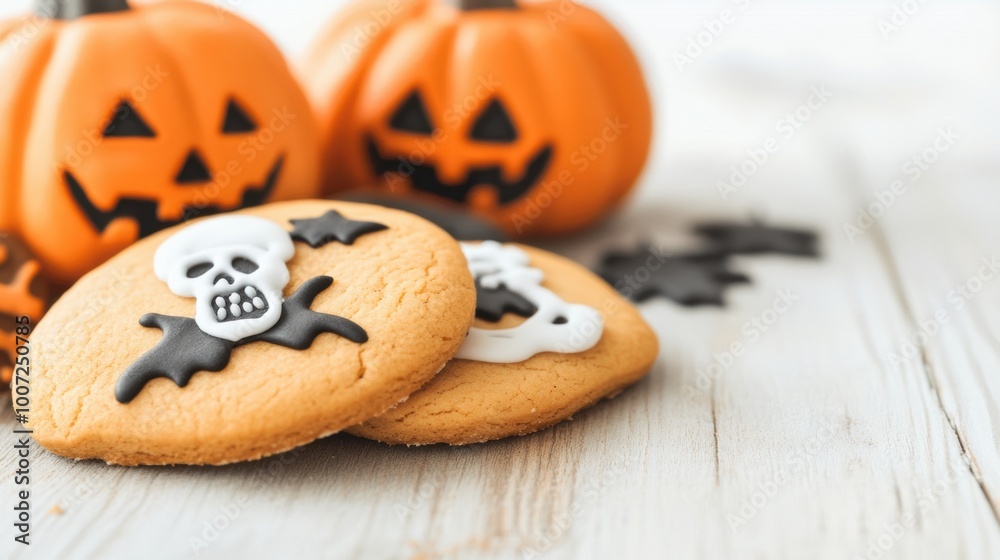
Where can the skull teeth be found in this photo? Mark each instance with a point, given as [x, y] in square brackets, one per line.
[244, 303]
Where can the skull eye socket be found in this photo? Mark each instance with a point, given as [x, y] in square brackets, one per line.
[494, 125]
[411, 116]
[244, 265]
[199, 269]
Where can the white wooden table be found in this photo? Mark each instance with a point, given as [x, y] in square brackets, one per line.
[829, 437]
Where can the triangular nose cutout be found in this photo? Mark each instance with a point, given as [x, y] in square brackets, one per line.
[194, 170]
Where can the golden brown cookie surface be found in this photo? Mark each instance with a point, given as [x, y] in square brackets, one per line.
[95, 389]
[474, 401]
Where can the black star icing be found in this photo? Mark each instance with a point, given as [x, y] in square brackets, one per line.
[330, 227]
[695, 279]
[752, 239]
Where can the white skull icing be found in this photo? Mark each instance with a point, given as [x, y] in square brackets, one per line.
[234, 266]
[557, 326]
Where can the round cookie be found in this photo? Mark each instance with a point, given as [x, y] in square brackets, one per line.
[375, 301]
[559, 346]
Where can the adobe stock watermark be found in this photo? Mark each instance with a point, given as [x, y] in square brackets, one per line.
[879, 545]
[362, 34]
[225, 516]
[912, 171]
[406, 164]
[213, 527]
[74, 155]
[248, 151]
[581, 159]
[899, 17]
[592, 490]
[959, 296]
[561, 12]
[79, 326]
[226, 7]
[629, 284]
[697, 44]
[785, 128]
[420, 497]
[796, 462]
[31, 24]
[752, 331]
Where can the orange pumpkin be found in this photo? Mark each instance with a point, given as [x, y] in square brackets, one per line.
[534, 115]
[23, 292]
[118, 121]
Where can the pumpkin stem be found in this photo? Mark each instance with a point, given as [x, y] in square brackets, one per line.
[469, 5]
[73, 9]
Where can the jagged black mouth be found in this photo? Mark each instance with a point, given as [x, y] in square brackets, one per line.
[424, 177]
[239, 305]
[143, 210]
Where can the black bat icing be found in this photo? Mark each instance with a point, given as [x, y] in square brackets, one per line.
[492, 304]
[330, 227]
[186, 350]
[299, 325]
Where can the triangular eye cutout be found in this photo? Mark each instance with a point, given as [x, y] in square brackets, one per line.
[412, 116]
[126, 123]
[237, 120]
[194, 170]
[494, 125]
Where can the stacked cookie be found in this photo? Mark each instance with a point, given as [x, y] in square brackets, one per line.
[240, 336]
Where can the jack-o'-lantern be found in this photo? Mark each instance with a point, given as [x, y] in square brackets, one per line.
[117, 121]
[23, 293]
[532, 114]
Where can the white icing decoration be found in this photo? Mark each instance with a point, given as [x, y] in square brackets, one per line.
[217, 241]
[494, 264]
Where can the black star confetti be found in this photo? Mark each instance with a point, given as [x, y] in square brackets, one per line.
[696, 279]
[330, 227]
[755, 239]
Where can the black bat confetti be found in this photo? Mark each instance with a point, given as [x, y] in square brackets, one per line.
[696, 279]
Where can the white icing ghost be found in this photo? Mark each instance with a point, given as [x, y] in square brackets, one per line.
[234, 266]
[579, 327]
